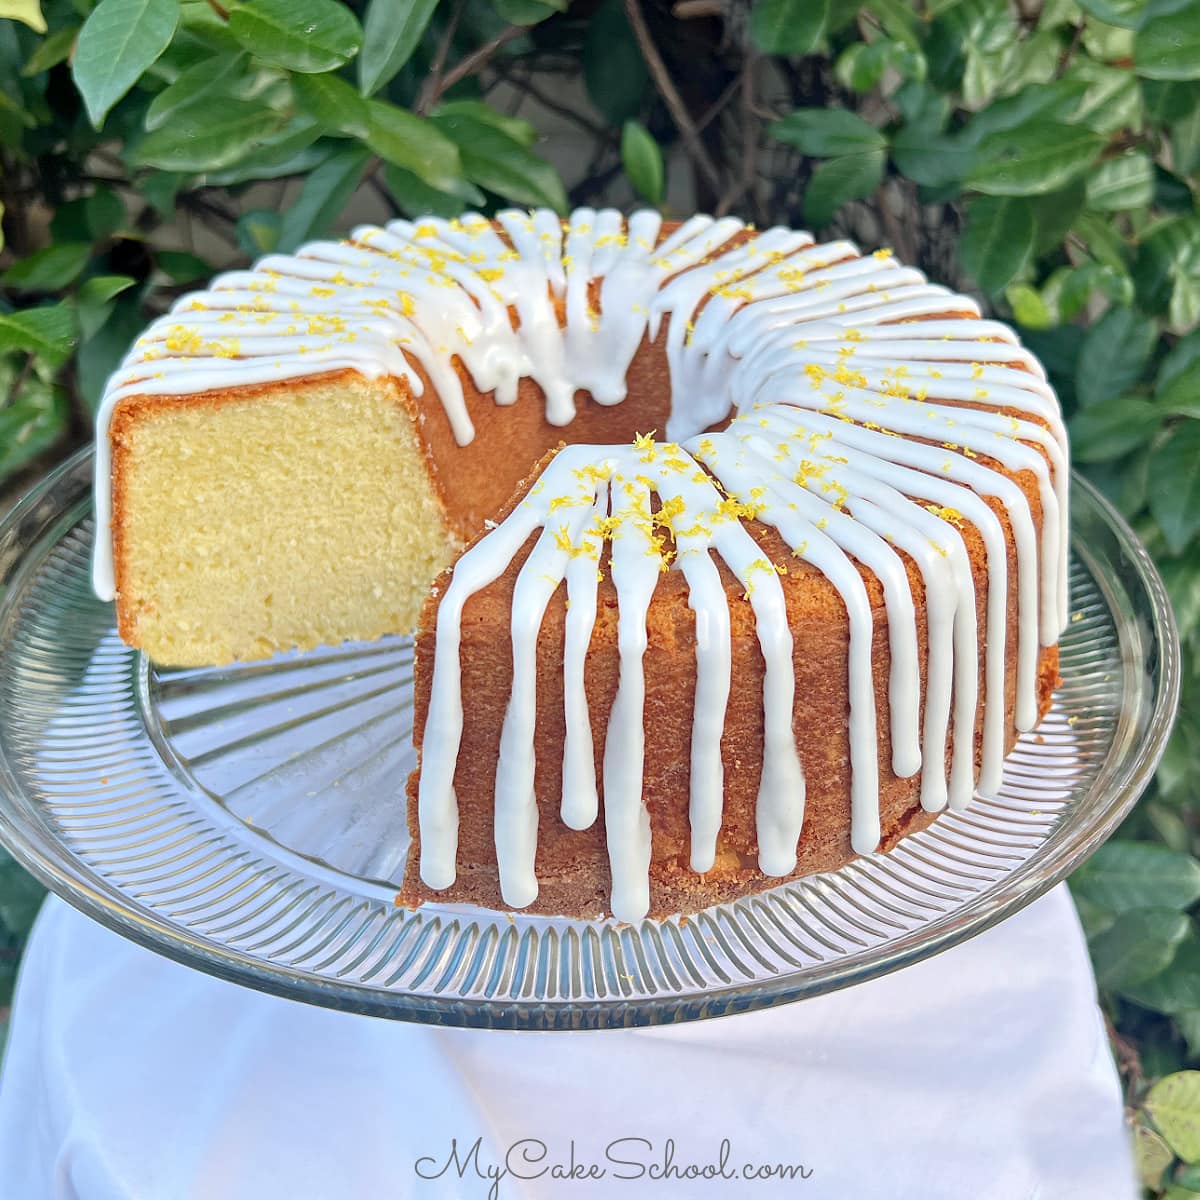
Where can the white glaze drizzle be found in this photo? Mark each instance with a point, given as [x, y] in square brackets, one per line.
[834, 362]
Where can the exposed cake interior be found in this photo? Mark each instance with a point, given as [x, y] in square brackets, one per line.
[278, 518]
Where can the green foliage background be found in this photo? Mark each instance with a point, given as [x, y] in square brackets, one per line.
[1043, 155]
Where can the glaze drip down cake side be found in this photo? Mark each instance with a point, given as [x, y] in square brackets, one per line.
[729, 555]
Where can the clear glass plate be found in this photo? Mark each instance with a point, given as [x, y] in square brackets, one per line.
[249, 821]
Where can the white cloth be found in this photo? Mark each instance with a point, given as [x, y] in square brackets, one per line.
[982, 1073]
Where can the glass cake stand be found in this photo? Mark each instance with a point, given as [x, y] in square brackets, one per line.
[250, 820]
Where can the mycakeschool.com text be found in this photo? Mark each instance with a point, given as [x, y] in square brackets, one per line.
[622, 1160]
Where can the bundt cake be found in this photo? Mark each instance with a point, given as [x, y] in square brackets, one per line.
[793, 586]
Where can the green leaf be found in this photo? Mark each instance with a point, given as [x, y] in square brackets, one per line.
[159, 189]
[202, 22]
[53, 49]
[932, 160]
[104, 212]
[1185, 142]
[1168, 101]
[1094, 919]
[204, 139]
[1169, 827]
[827, 132]
[1179, 1192]
[1167, 44]
[182, 267]
[1035, 158]
[1153, 1156]
[1180, 397]
[1175, 768]
[50, 269]
[1177, 987]
[48, 332]
[643, 162]
[922, 106]
[528, 12]
[308, 36]
[1035, 59]
[416, 198]
[100, 354]
[1102, 241]
[1053, 102]
[22, 897]
[292, 148]
[29, 12]
[30, 425]
[1058, 351]
[1115, 353]
[391, 31]
[1182, 356]
[494, 161]
[997, 241]
[415, 143]
[1164, 256]
[1123, 875]
[1054, 214]
[1113, 428]
[1030, 309]
[1125, 481]
[1125, 13]
[118, 41]
[1183, 312]
[1107, 43]
[333, 103]
[88, 218]
[984, 74]
[614, 71]
[839, 180]
[1138, 944]
[790, 27]
[208, 78]
[100, 288]
[1121, 184]
[899, 20]
[258, 231]
[1174, 1103]
[516, 128]
[861, 65]
[1082, 282]
[1175, 485]
[322, 197]
[946, 53]
[1113, 100]
[94, 301]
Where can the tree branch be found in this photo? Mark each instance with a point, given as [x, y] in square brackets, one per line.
[478, 59]
[715, 108]
[432, 89]
[671, 97]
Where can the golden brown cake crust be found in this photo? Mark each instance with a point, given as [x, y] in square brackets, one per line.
[571, 865]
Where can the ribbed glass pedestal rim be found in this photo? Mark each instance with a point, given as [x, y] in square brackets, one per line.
[249, 821]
